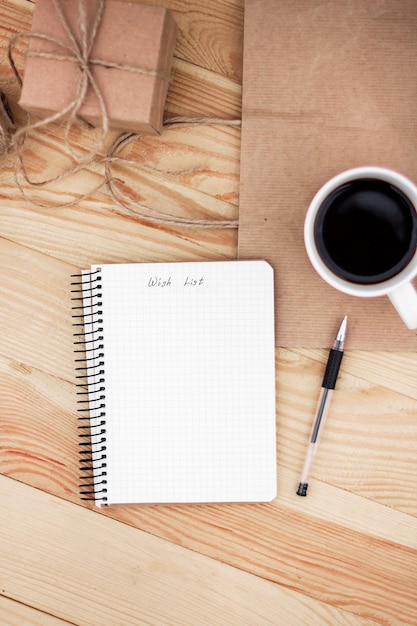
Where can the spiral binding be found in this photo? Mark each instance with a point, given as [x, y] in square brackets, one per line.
[89, 348]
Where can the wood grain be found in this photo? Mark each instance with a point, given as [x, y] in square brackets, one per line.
[345, 555]
[116, 574]
[257, 538]
[18, 614]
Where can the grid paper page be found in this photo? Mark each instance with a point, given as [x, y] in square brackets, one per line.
[190, 382]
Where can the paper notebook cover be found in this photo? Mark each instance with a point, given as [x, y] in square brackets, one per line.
[181, 380]
[327, 86]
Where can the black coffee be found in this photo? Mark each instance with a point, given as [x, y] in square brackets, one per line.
[366, 231]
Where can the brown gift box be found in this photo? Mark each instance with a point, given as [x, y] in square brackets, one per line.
[138, 41]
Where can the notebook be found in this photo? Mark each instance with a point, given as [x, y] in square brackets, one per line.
[176, 375]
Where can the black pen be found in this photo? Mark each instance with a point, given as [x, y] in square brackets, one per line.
[327, 387]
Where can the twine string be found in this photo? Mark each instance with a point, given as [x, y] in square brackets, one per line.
[130, 206]
[82, 50]
[7, 126]
[79, 51]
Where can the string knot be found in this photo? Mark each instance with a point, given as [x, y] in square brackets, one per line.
[84, 66]
[78, 49]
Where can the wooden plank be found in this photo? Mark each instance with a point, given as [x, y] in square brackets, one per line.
[367, 446]
[347, 457]
[40, 447]
[17, 614]
[36, 323]
[103, 572]
[352, 512]
[371, 576]
[38, 422]
[222, 97]
[394, 370]
[211, 33]
[352, 543]
[189, 172]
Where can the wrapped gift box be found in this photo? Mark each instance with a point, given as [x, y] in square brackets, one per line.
[135, 40]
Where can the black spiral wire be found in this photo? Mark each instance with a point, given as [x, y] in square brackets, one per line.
[91, 391]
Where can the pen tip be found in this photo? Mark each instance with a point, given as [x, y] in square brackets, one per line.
[341, 334]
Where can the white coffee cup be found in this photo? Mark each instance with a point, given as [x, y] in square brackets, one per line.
[360, 235]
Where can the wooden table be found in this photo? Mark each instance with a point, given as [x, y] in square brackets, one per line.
[346, 554]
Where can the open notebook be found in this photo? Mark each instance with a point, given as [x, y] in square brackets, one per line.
[179, 385]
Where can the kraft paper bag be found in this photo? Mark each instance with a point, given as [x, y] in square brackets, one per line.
[327, 86]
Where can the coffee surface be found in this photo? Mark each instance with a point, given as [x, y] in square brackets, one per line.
[366, 231]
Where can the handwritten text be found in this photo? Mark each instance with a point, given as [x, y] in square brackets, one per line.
[193, 282]
[156, 281]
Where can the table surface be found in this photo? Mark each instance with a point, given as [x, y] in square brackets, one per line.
[346, 554]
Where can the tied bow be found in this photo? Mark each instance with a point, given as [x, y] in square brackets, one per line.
[78, 51]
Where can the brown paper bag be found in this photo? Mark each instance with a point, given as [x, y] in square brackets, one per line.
[327, 85]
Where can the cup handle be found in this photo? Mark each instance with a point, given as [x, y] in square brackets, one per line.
[404, 299]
